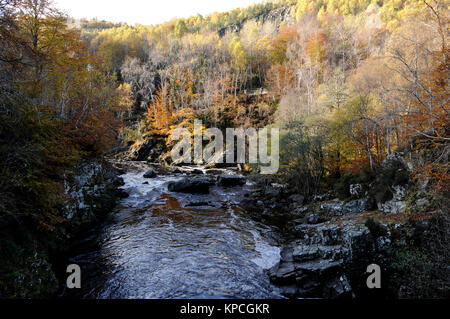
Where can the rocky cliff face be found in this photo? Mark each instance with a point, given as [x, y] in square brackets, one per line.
[330, 242]
[92, 191]
[329, 260]
[28, 270]
[277, 16]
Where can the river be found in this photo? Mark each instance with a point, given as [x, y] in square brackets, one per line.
[158, 244]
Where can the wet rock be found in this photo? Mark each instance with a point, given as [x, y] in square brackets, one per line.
[308, 233]
[286, 254]
[191, 185]
[300, 210]
[358, 242]
[338, 288]
[320, 269]
[282, 273]
[214, 172]
[151, 173]
[196, 172]
[149, 150]
[305, 253]
[231, 180]
[289, 291]
[334, 253]
[330, 234]
[249, 204]
[177, 171]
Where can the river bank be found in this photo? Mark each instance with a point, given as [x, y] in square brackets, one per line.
[329, 242]
[31, 254]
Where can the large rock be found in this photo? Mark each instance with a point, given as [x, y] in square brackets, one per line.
[305, 253]
[330, 234]
[391, 161]
[392, 207]
[321, 268]
[231, 180]
[397, 204]
[191, 185]
[150, 150]
[282, 273]
[151, 173]
[334, 207]
[357, 206]
[328, 260]
[338, 288]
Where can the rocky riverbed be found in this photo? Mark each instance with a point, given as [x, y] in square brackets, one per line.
[192, 232]
[196, 232]
[180, 233]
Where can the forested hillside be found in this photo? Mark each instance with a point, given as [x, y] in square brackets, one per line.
[59, 107]
[354, 81]
[349, 83]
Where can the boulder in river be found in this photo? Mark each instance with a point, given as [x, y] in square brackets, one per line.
[191, 185]
[197, 171]
[151, 173]
[231, 180]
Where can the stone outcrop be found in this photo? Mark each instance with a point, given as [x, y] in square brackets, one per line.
[92, 191]
[340, 208]
[397, 204]
[149, 150]
[321, 263]
[396, 169]
[197, 184]
[276, 15]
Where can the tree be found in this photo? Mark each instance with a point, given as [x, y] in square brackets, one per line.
[180, 29]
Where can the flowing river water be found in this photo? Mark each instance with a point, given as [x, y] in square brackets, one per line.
[158, 244]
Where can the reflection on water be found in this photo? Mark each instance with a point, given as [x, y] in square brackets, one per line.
[165, 245]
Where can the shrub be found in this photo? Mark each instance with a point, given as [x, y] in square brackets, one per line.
[301, 161]
[391, 174]
[420, 270]
[342, 187]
